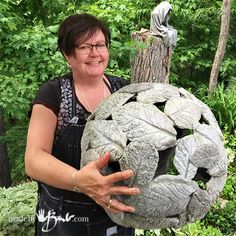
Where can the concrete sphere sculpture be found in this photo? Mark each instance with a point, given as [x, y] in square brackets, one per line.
[172, 142]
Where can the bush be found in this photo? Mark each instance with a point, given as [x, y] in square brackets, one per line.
[17, 209]
[224, 219]
[30, 58]
[229, 191]
[222, 103]
[195, 229]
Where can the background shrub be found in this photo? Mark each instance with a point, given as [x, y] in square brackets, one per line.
[17, 209]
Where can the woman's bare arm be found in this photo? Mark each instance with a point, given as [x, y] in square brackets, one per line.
[42, 166]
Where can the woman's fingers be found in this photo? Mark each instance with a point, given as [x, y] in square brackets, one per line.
[101, 188]
[102, 160]
[124, 190]
[118, 176]
[116, 207]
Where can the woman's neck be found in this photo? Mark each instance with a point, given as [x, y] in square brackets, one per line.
[91, 82]
[91, 91]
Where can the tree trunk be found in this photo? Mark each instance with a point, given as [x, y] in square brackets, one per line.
[219, 56]
[152, 61]
[5, 177]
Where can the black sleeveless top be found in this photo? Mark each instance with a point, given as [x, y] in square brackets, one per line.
[56, 94]
[59, 95]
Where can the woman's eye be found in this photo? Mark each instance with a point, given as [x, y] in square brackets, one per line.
[85, 47]
[102, 45]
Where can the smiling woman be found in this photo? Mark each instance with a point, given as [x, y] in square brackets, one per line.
[88, 62]
[59, 114]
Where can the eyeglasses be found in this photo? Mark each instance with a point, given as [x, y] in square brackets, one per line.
[87, 48]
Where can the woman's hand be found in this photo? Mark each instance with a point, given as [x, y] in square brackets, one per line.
[100, 188]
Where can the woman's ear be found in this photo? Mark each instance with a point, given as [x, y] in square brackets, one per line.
[70, 57]
[67, 59]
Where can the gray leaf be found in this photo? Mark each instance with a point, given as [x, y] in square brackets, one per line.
[207, 114]
[105, 109]
[135, 88]
[215, 186]
[104, 136]
[133, 220]
[172, 193]
[159, 93]
[184, 151]
[144, 122]
[206, 156]
[143, 160]
[199, 205]
[206, 133]
[88, 156]
[183, 112]
[220, 167]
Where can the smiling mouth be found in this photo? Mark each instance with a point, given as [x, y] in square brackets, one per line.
[94, 63]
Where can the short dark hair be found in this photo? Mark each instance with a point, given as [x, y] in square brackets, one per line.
[79, 27]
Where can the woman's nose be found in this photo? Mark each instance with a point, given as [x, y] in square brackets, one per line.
[94, 50]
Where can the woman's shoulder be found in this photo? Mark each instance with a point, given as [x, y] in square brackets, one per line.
[117, 82]
[55, 82]
[49, 93]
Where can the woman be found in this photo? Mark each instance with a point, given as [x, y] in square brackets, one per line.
[71, 200]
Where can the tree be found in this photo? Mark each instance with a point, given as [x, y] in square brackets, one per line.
[151, 63]
[224, 31]
[5, 178]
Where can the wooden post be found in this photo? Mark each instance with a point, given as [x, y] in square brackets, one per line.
[152, 62]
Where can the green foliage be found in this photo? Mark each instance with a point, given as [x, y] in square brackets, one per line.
[17, 209]
[229, 191]
[16, 139]
[198, 26]
[9, 21]
[197, 40]
[139, 232]
[223, 218]
[194, 229]
[222, 103]
[45, 11]
[28, 58]
[230, 141]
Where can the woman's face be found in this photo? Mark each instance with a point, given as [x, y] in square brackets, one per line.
[87, 61]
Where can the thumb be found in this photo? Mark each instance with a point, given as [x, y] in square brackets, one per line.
[102, 160]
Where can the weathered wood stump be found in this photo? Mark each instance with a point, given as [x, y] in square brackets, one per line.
[151, 63]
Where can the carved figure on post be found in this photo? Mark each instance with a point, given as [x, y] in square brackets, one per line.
[159, 24]
[152, 63]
